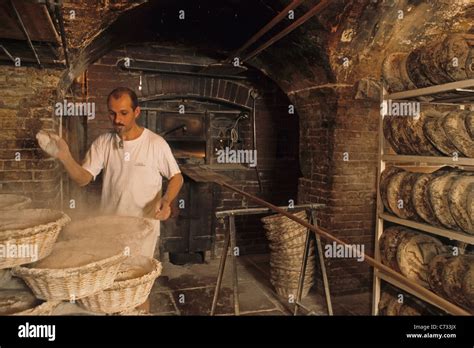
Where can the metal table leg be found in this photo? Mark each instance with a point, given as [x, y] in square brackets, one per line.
[220, 272]
[302, 272]
[323, 268]
[233, 244]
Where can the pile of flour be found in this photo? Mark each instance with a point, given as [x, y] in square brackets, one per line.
[129, 232]
[77, 253]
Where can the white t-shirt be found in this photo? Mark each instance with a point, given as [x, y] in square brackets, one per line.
[133, 174]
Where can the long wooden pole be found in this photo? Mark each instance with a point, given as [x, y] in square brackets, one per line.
[277, 19]
[439, 301]
[315, 10]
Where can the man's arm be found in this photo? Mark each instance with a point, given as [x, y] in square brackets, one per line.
[81, 176]
[163, 207]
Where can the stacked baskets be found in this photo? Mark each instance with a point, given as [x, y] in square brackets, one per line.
[22, 229]
[130, 288]
[26, 236]
[112, 283]
[287, 244]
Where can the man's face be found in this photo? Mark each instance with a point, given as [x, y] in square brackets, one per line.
[121, 114]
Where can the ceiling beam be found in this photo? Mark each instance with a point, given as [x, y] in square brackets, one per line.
[277, 19]
[59, 15]
[23, 28]
[300, 21]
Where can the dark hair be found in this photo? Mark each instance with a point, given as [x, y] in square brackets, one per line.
[119, 91]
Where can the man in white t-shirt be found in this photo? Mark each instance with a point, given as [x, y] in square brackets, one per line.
[134, 160]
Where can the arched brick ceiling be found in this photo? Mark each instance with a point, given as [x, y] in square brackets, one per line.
[363, 32]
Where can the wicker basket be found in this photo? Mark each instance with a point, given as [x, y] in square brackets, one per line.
[294, 248]
[293, 265]
[14, 202]
[124, 295]
[45, 308]
[71, 283]
[286, 289]
[291, 258]
[287, 223]
[30, 227]
[291, 275]
[283, 235]
[290, 243]
[277, 219]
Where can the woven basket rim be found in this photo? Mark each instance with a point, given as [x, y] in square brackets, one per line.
[128, 283]
[41, 309]
[64, 272]
[291, 284]
[275, 217]
[273, 228]
[24, 232]
[282, 235]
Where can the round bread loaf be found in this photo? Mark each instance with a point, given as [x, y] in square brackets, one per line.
[394, 193]
[421, 199]
[454, 54]
[391, 68]
[409, 210]
[409, 310]
[414, 68]
[454, 125]
[385, 179]
[470, 63]
[405, 77]
[458, 279]
[393, 307]
[385, 299]
[469, 120]
[400, 135]
[458, 202]
[434, 132]
[416, 136]
[439, 191]
[436, 266]
[387, 132]
[414, 254]
[430, 59]
[388, 245]
[399, 195]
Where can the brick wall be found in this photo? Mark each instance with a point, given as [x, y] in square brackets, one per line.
[26, 106]
[336, 125]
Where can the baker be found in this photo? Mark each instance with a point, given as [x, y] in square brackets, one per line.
[134, 160]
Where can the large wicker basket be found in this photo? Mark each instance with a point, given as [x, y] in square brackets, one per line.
[279, 219]
[23, 229]
[124, 295]
[287, 289]
[71, 283]
[45, 308]
[14, 202]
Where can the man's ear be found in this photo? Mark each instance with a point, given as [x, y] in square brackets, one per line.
[137, 111]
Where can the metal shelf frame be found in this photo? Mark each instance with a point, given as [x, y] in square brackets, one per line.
[465, 90]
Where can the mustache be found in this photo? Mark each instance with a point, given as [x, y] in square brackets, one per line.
[118, 124]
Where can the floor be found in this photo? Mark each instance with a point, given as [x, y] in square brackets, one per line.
[188, 290]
